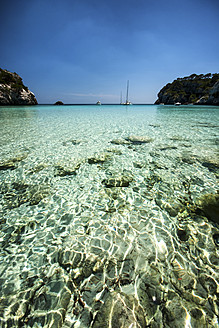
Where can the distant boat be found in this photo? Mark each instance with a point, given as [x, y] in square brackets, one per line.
[98, 103]
[127, 102]
[177, 104]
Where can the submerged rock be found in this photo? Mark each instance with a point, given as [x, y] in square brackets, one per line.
[139, 164]
[8, 165]
[120, 311]
[212, 166]
[216, 239]
[114, 151]
[178, 138]
[122, 180]
[172, 205]
[137, 140]
[71, 142]
[12, 163]
[19, 193]
[116, 182]
[68, 169]
[99, 158]
[37, 168]
[209, 205]
[183, 234]
[168, 148]
[120, 142]
[188, 159]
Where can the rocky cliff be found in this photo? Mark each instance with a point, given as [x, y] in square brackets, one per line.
[12, 90]
[196, 89]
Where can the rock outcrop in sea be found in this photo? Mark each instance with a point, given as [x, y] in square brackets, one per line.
[13, 91]
[59, 103]
[195, 89]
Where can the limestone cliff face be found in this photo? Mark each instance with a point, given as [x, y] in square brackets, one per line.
[12, 90]
[196, 89]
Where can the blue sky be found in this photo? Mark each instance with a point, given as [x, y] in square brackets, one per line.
[82, 51]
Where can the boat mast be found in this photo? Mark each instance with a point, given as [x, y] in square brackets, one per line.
[127, 95]
[121, 97]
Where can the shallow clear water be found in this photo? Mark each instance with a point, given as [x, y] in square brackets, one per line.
[90, 194]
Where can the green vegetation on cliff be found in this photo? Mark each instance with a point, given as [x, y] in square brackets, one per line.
[196, 89]
[12, 79]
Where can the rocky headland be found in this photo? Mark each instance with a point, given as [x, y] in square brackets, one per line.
[13, 91]
[195, 89]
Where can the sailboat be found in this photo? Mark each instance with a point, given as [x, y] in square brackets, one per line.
[127, 102]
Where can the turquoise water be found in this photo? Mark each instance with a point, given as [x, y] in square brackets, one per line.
[93, 199]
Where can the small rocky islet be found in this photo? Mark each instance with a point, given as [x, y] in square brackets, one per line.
[136, 248]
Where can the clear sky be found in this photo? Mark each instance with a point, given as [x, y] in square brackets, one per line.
[82, 51]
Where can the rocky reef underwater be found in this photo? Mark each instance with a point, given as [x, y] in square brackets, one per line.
[125, 237]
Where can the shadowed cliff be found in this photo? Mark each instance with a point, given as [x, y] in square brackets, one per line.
[194, 89]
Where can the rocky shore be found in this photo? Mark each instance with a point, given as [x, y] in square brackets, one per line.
[12, 90]
[194, 89]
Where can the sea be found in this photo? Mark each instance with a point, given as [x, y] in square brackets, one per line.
[109, 216]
